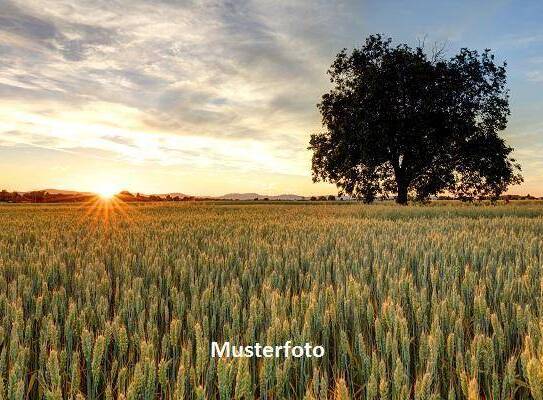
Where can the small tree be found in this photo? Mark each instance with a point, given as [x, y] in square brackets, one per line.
[398, 121]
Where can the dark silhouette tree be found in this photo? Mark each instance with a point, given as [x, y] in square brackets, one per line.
[399, 121]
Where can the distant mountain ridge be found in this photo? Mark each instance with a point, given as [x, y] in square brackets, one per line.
[175, 194]
[58, 191]
[252, 196]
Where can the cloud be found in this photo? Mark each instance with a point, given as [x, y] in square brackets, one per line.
[535, 76]
[101, 130]
[218, 84]
[163, 83]
[207, 68]
[517, 40]
[18, 22]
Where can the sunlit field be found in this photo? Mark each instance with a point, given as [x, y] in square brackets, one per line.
[117, 301]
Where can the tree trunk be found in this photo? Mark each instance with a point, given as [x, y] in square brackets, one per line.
[402, 182]
[402, 192]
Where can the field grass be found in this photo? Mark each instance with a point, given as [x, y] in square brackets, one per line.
[425, 302]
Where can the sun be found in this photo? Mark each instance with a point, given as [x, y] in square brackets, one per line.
[106, 191]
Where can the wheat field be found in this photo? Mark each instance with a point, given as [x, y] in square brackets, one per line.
[122, 301]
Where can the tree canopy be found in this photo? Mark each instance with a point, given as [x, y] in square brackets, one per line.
[401, 122]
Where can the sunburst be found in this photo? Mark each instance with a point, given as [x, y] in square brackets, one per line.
[106, 191]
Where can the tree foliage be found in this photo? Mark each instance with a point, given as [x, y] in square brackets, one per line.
[400, 121]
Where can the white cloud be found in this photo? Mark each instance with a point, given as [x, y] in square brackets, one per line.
[535, 76]
[221, 76]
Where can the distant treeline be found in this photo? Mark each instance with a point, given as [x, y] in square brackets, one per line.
[129, 197]
[43, 196]
[506, 197]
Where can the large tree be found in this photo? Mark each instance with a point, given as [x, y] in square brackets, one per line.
[399, 121]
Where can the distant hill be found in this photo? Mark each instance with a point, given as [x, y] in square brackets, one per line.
[65, 192]
[176, 194]
[252, 196]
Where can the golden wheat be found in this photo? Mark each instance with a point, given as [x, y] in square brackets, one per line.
[427, 302]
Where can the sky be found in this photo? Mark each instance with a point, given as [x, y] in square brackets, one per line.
[212, 97]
